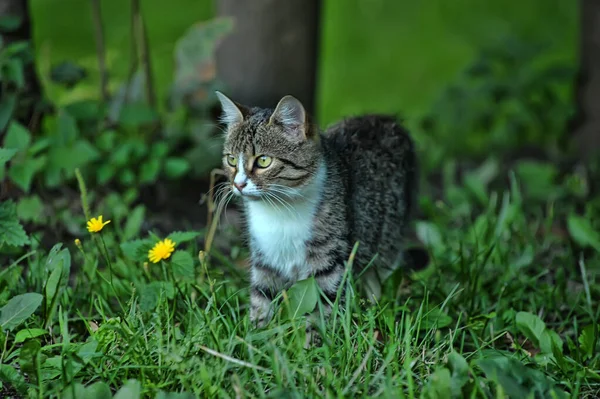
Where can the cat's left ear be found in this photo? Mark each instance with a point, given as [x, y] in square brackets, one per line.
[291, 115]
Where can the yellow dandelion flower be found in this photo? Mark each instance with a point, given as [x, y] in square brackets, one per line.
[78, 242]
[95, 225]
[162, 250]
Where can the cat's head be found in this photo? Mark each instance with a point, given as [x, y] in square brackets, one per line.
[269, 153]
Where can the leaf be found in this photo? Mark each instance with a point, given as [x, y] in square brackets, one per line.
[67, 74]
[174, 395]
[183, 236]
[429, 234]
[587, 342]
[136, 115]
[182, 265]
[134, 222]
[7, 107]
[30, 208]
[149, 170]
[176, 167]
[460, 373]
[303, 297]
[58, 264]
[13, 233]
[19, 309]
[29, 357]
[17, 137]
[22, 173]
[6, 155]
[582, 232]
[137, 249]
[531, 326]
[10, 22]
[27, 333]
[131, 390]
[438, 384]
[435, 318]
[11, 376]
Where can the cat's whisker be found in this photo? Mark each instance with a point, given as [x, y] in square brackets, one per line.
[283, 202]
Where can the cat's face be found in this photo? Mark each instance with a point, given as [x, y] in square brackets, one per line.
[269, 155]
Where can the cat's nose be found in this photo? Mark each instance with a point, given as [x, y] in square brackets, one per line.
[240, 186]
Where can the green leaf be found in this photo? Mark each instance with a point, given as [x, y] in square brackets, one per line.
[587, 342]
[67, 128]
[27, 333]
[58, 264]
[429, 234]
[22, 173]
[6, 155]
[137, 249]
[149, 170]
[303, 297]
[582, 232]
[134, 222]
[438, 385]
[11, 376]
[131, 390]
[13, 233]
[30, 208]
[7, 107]
[176, 167]
[98, 390]
[174, 395]
[182, 265]
[136, 115]
[183, 236]
[17, 137]
[29, 357]
[460, 373]
[19, 309]
[531, 326]
[10, 22]
[435, 318]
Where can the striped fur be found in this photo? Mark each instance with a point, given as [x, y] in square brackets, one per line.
[321, 193]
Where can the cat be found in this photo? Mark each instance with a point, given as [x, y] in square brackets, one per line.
[309, 196]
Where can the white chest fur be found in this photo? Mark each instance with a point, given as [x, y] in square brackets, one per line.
[280, 232]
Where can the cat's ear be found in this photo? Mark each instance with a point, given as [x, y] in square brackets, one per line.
[232, 112]
[291, 115]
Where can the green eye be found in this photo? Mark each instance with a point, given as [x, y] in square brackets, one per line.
[263, 161]
[231, 160]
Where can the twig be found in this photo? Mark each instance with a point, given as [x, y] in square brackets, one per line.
[100, 49]
[142, 36]
[234, 360]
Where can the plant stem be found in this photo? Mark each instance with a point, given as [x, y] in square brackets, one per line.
[100, 48]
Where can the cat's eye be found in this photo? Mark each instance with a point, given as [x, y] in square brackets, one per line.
[263, 161]
[231, 161]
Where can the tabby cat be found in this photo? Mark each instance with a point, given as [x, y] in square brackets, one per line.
[309, 196]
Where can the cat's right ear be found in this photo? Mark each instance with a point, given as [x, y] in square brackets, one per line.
[232, 112]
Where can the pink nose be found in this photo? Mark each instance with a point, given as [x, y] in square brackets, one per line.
[240, 186]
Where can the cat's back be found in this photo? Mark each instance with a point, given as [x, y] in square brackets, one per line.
[376, 160]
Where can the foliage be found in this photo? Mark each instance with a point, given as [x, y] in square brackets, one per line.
[506, 308]
[508, 97]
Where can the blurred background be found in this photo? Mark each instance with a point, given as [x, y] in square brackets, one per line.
[124, 90]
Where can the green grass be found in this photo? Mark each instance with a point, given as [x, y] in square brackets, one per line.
[508, 306]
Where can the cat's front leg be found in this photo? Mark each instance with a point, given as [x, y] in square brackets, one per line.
[329, 279]
[266, 283]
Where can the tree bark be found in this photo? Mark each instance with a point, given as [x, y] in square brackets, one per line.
[586, 132]
[272, 51]
[31, 94]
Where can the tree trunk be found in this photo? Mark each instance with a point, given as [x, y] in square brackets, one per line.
[272, 51]
[30, 95]
[586, 132]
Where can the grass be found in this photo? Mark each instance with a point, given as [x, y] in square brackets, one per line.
[508, 306]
